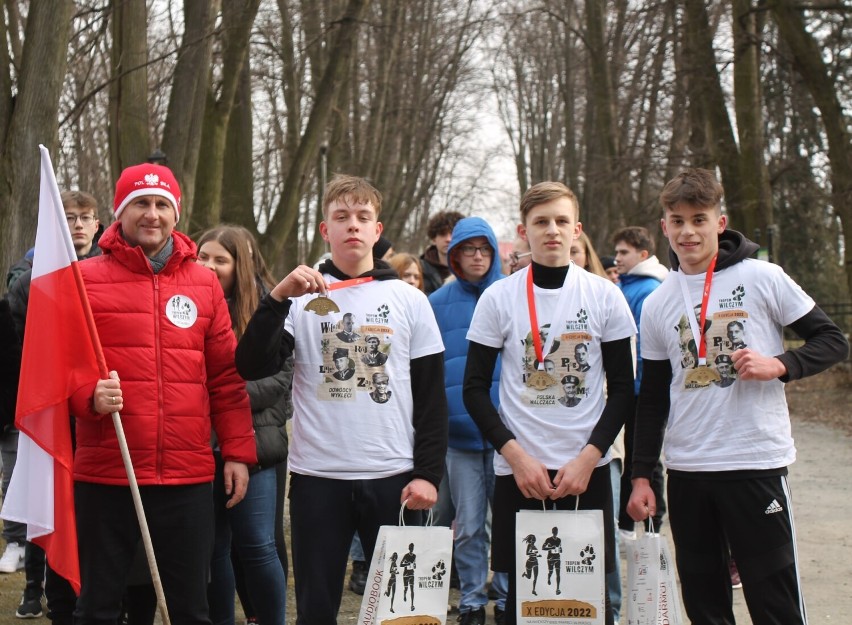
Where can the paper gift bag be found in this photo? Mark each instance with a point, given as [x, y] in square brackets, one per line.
[651, 594]
[408, 582]
[560, 567]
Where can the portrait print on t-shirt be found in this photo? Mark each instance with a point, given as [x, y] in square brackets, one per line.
[724, 333]
[353, 360]
[565, 367]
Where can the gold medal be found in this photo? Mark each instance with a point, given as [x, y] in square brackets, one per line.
[702, 376]
[321, 306]
[539, 380]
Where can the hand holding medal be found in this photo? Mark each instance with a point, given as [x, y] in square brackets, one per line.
[323, 305]
[301, 281]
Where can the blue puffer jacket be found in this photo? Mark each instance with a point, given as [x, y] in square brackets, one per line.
[453, 304]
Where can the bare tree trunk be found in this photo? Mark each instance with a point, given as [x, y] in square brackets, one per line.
[707, 100]
[333, 77]
[29, 118]
[815, 74]
[237, 20]
[238, 173]
[602, 177]
[184, 120]
[756, 201]
[680, 112]
[129, 140]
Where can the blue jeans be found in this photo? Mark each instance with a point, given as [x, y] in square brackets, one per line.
[471, 478]
[13, 532]
[250, 526]
[613, 580]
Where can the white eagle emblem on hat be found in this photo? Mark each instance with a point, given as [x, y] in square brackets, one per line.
[152, 179]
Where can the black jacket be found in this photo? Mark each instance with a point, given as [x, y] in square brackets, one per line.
[10, 367]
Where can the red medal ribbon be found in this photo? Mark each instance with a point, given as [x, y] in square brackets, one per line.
[539, 350]
[708, 279]
[347, 283]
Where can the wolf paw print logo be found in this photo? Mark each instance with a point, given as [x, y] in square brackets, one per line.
[439, 570]
[738, 293]
[152, 179]
[587, 555]
[582, 316]
[383, 311]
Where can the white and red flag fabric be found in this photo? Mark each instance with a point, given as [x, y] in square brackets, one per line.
[61, 353]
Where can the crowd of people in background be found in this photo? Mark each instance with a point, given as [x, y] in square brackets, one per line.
[431, 353]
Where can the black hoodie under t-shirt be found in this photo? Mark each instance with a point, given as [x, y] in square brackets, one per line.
[265, 345]
[824, 346]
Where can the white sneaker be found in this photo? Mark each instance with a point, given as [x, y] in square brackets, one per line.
[13, 558]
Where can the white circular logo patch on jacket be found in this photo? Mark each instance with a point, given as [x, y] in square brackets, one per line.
[181, 311]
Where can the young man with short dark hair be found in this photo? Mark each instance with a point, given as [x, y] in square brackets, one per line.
[549, 452]
[639, 274]
[434, 259]
[353, 460]
[728, 445]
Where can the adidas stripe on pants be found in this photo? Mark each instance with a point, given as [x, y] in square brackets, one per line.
[751, 516]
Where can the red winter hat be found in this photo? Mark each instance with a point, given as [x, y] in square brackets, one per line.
[146, 179]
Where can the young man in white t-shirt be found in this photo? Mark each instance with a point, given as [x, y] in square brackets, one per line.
[367, 442]
[550, 451]
[728, 441]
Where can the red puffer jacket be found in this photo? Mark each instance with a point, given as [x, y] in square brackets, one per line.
[169, 338]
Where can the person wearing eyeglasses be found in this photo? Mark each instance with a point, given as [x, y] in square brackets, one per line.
[470, 459]
[81, 213]
[520, 256]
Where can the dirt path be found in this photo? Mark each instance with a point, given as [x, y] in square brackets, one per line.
[821, 482]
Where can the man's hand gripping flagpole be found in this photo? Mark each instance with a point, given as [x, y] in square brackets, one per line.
[111, 379]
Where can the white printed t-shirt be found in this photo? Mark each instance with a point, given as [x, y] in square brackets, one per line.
[730, 424]
[551, 425]
[352, 402]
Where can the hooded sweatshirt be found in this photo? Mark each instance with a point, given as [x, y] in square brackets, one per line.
[266, 345]
[453, 305]
[824, 345]
[637, 284]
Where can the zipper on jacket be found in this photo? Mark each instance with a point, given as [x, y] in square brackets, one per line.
[158, 359]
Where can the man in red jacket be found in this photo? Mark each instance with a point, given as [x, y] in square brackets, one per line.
[166, 335]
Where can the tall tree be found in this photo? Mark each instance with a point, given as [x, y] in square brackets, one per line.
[237, 174]
[237, 20]
[129, 138]
[605, 187]
[333, 76]
[713, 133]
[756, 199]
[29, 102]
[188, 98]
[824, 90]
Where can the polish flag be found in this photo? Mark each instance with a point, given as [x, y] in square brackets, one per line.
[61, 353]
